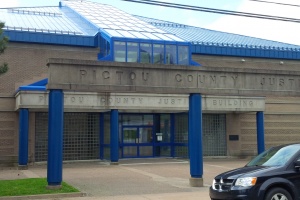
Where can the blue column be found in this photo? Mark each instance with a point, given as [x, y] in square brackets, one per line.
[23, 137]
[195, 135]
[114, 136]
[260, 132]
[55, 138]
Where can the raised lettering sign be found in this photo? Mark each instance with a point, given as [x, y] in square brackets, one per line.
[92, 76]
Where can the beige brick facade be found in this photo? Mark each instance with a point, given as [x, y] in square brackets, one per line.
[27, 64]
[282, 114]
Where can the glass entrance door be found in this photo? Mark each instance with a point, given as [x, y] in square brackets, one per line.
[137, 141]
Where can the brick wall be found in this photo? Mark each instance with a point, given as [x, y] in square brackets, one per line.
[282, 114]
[244, 62]
[8, 138]
[27, 64]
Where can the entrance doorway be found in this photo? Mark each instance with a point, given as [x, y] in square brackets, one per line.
[137, 141]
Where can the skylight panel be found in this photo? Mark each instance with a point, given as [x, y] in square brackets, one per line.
[126, 34]
[113, 33]
[114, 27]
[162, 36]
[91, 17]
[140, 25]
[149, 26]
[148, 30]
[130, 21]
[158, 30]
[123, 23]
[127, 28]
[103, 25]
[174, 37]
[107, 22]
[137, 28]
[112, 19]
[122, 20]
[95, 20]
[118, 23]
[138, 35]
[151, 36]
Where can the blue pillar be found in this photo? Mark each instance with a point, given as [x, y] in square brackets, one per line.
[55, 138]
[23, 138]
[114, 136]
[260, 132]
[195, 139]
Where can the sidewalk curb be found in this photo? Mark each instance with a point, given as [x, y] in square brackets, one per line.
[45, 196]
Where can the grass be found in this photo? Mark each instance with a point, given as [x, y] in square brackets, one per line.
[31, 186]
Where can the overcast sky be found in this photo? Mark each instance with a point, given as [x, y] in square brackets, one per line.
[287, 32]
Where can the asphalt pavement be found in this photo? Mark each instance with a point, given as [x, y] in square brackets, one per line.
[134, 179]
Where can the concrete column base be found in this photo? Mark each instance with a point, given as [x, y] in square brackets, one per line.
[22, 167]
[54, 187]
[196, 182]
[114, 163]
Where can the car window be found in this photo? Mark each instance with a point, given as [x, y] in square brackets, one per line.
[277, 156]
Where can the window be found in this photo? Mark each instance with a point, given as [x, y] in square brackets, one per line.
[120, 51]
[145, 53]
[132, 52]
[158, 54]
[183, 55]
[135, 52]
[171, 54]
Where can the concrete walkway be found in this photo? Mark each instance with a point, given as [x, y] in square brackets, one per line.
[134, 179]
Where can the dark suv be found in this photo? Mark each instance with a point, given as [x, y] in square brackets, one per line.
[272, 175]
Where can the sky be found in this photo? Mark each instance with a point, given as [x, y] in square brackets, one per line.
[287, 32]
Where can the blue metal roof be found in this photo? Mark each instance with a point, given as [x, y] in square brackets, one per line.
[80, 23]
[221, 43]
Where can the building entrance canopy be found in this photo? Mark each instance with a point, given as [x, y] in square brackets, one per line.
[97, 76]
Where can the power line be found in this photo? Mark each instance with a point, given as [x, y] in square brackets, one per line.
[284, 4]
[212, 10]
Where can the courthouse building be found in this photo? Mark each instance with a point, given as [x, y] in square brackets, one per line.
[149, 124]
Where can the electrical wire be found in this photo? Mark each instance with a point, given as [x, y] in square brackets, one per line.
[284, 4]
[212, 10]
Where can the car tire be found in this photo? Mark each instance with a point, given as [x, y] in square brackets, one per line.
[278, 193]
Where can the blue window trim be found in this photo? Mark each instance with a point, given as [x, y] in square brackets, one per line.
[111, 40]
[51, 38]
[139, 52]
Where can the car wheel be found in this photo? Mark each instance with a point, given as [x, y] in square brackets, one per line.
[278, 194]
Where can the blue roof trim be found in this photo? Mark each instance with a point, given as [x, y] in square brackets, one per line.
[280, 53]
[125, 39]
[42, 82]
[31, 88]
[49, 38]
[36, 86]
